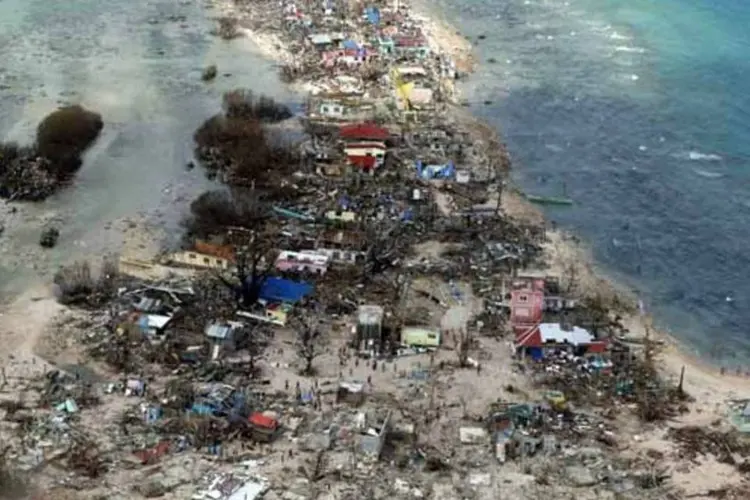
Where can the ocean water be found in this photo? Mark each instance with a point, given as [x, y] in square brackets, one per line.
[639, 111]
[138, 63]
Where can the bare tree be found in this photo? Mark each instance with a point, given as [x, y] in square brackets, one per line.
[254, 257]
[254, 340]
[382, 244]
[310, 342]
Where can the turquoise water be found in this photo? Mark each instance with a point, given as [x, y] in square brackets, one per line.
[641, 110]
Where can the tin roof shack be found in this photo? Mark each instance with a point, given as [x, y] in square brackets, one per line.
[264, 428]
[420, 336]
[223, 337]
[369, 330]
[154, 326]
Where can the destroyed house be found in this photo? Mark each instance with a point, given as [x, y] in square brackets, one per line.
[351, 392]
[414, 46]
[153, 325]
[366, 155]
[223, 337]
[263, 427]
[411, 73]
[536, 339]
[206, 255]
[321, 40]
[274, 313]
[369, 329]
[302, 262]
[340, 106]
[416, 336]
[343, 247]
[439, 171]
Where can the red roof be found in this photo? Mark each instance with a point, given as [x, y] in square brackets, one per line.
[597, 347]
[259, 420]
[528, 336]
[366, 131]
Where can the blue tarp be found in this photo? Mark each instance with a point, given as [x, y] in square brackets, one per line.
[447, 171]
[203, 409]
[536, 353]
[349, 44]
[283, 290]
[373, 15]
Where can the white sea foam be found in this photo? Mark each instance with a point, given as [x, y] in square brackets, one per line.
[707, 174]
[626, 48]
[698, 156]
[617, 36]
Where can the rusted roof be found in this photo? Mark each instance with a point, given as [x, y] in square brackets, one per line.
[220, 251]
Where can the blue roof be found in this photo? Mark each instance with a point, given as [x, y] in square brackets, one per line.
[350, 44]
[283, 290]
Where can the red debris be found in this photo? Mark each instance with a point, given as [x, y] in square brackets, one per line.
[151, 455]
[263, 421]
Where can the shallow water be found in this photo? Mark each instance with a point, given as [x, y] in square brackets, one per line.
[640, 111]
[141, 71]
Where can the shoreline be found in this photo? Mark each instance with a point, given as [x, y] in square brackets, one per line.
[448, 40]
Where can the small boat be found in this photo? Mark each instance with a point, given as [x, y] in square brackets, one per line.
[548, 200]
[551, 200]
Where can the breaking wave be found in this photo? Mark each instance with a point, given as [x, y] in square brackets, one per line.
[707, 174]
[626, 48]
[698, 156]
